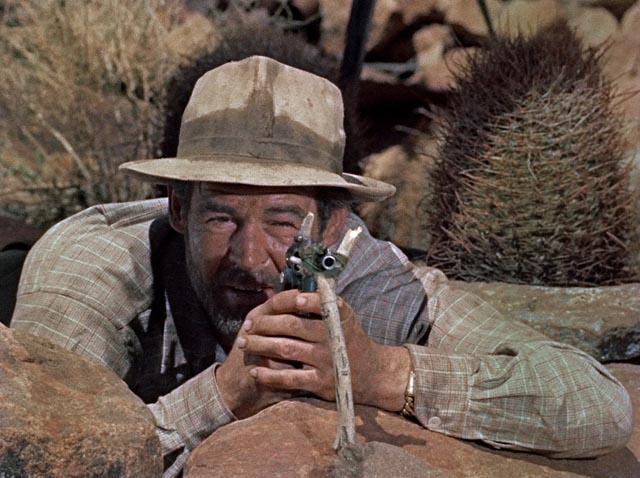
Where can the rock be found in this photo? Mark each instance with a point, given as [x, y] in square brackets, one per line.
[385, 23]
[335, 17]
[398, 218]
[602, 321]
[527, 17]
[306, 8]
[430, 43]
[294, 438]
[617, 7]
[414, 11]
[440, 75]
[435, 35]
[466, 17]
[63, 416]
[437, 61]
[376, 459]
[594, 26]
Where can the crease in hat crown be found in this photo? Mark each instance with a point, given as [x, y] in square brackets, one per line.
[260, 122]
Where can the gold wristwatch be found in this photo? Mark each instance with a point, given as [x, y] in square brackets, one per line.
[409, 410]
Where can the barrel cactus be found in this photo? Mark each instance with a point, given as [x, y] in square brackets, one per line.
[530, 184]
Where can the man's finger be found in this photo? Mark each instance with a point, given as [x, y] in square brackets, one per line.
[281, 303]
[303, 379]
[309, 329]
[284, 348]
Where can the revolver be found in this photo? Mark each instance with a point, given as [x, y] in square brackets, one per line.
[306, 258]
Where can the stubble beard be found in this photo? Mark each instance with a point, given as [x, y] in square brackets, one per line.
[225, 318]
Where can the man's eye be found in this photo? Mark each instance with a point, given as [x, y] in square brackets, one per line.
[284, 224]
[219, 219]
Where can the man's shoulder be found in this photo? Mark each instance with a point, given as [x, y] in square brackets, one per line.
[101, 254]
[371, 247]
[115, 222]
[118, 215]
[372, 257]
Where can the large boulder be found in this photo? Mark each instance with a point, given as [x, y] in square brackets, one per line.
[602, 321]
[63, 416]
[295, 438]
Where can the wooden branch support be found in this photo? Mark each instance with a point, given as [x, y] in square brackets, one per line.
[311, 266]
[346, 434]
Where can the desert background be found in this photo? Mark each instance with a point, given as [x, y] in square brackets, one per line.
[88, 85]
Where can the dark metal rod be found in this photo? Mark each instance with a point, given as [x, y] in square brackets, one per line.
[355, 43]
[487, 18]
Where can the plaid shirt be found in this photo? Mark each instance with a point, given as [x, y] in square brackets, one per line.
[88, 285]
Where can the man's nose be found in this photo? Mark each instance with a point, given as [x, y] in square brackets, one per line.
[249, 247]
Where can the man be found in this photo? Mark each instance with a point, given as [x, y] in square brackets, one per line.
[181, 297]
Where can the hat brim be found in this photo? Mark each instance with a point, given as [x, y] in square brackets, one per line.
[256, 172]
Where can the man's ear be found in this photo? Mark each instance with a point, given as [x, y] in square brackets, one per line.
[334, 226]
[177, 211]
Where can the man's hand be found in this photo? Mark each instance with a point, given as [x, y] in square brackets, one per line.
[275, 332]
[240, 392]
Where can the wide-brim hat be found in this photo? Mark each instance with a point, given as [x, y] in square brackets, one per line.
[259, 122]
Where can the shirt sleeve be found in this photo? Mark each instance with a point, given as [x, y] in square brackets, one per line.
[483, 377]
[187, 415]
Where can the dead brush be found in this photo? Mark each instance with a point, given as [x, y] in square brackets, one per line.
[530, 185]
[80, 93]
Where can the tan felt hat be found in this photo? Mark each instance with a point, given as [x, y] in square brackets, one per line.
[261, 123]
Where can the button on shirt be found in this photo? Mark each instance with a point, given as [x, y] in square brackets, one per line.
[89, 285]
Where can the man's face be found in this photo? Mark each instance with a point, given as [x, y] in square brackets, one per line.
[236, 239]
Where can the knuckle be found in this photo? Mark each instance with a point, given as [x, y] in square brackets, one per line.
[282, 300]
[325, 387]
[290, 381]
[288, 350]
[293, 325]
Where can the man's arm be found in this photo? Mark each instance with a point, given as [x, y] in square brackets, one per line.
[186, 416]
[480, 375]
[484, 377]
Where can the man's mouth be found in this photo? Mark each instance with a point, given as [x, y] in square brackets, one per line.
[249, 292]
[246, 289]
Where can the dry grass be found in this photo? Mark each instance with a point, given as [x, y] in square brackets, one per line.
[82, 93]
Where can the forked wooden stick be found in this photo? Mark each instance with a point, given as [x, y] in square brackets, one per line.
[346, 434]
[311, 266]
